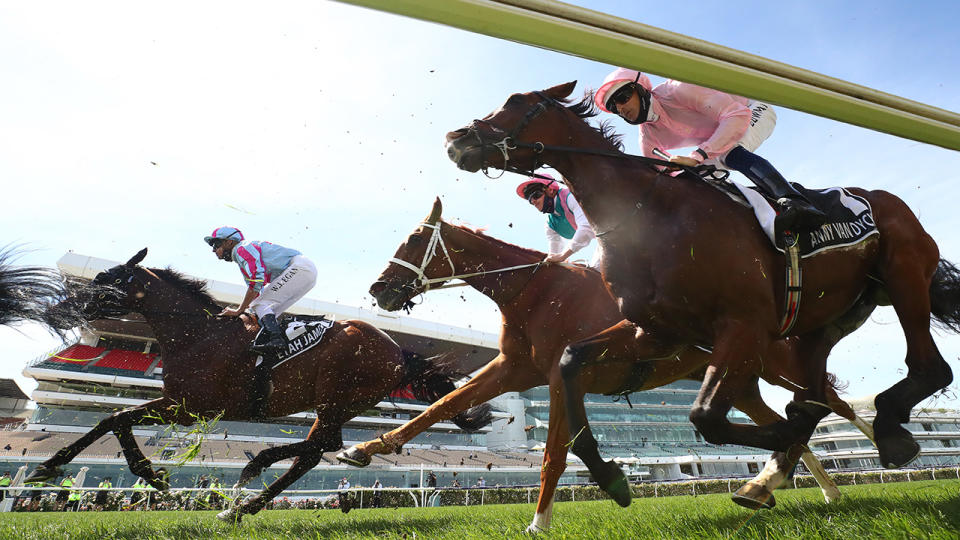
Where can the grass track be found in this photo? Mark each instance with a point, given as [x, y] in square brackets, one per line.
[929, 509]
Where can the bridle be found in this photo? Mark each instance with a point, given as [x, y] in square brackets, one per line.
[423, 283]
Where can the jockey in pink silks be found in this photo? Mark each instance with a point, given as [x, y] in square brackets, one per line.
[566, 222]
[725, 130]
[276, 278]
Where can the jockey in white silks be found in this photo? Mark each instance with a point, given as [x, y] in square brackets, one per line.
[725, 129]
[568, 230]
[276, 278]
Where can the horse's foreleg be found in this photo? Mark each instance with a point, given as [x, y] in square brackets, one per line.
[502, 374]
[554, 457]
[162, 411]
[622, 343]
[843, 409]
[758, 492]
[48, 470]
[731, 369]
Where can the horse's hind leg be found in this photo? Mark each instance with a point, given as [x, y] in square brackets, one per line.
[554, 456]
[322, 438]
[624, 342]
[909, 258]
[502, 374]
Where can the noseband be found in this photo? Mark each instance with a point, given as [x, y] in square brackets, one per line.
[508, 143]
[423, 283]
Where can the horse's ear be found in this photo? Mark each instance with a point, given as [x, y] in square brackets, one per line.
[561, 91]
[136, 259]
[435, 212]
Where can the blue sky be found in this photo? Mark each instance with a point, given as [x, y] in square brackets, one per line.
[319, 126]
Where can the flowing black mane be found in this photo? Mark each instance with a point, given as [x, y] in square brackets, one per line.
[586, 109]
[195, 287]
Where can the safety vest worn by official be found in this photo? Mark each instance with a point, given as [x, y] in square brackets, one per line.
[561, 219]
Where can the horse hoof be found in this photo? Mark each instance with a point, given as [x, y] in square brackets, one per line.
[615, 484]
[354, 456]
[230, 515]
[43, 474]
[533, 530]
[754, 497]
[897, 450]
[832, 495]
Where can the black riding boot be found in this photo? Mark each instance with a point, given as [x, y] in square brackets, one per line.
[274, 336]
[797, 214]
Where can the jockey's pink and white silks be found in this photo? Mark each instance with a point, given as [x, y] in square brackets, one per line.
[686, 115]
[287, 286]
[260, 261]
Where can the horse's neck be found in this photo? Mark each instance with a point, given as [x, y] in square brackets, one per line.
[177, 320]
[607, 188]
[479, 253]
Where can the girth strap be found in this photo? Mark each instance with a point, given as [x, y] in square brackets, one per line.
[794, 280]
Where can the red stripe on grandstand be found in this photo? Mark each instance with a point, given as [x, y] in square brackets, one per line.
[403, 393]
[129, 360]
[77, 354]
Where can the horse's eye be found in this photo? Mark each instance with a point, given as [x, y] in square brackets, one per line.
[414, 239]
[117, 281]
[102, 296]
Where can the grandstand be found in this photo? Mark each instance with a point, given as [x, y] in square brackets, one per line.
[840, 445]
[117, 364]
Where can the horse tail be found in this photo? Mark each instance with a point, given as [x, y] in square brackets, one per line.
[945, 297]
[432, 378]
[34, 293]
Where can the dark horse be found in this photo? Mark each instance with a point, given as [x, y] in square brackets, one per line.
[34, 294]
[208, 371]
[544, 308]
[691, 267]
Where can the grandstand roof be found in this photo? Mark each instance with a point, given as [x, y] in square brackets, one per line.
[10, 389]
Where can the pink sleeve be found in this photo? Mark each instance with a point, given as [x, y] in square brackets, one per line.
[647, 143]
[730, 113]
[249, 269]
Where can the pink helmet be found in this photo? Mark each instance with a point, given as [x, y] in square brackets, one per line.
[614, 81]
[546, 182]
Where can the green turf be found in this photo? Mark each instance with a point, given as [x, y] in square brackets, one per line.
[929, 509]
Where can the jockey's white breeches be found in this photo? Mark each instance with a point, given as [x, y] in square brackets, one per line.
[284, 290]
[762, 121]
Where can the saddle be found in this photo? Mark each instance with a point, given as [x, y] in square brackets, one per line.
[849, 222]
[302, 332]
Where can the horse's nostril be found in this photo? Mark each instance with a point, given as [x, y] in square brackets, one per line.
[454, 135]
[377, 288]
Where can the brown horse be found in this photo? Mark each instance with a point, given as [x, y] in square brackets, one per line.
[208, 371]
[691, 267]
[545, 307]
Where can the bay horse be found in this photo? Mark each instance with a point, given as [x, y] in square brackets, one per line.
[35, 294]
[208, 371]
[688, 266]
[544, 308]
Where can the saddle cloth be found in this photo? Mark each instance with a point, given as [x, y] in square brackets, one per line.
[849, 219]
[303, 332]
